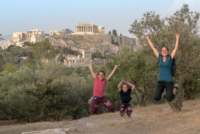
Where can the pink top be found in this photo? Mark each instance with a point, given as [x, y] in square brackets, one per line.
[99, 87]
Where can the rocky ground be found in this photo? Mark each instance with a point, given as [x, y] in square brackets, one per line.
[153, 119]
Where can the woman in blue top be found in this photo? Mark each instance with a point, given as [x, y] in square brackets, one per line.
[165, 79]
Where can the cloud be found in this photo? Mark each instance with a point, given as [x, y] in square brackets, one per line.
[194, 5]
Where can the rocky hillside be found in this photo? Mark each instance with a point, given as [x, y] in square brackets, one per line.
[102, 43]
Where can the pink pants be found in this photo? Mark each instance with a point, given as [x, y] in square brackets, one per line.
[127, 108]
[95, 102]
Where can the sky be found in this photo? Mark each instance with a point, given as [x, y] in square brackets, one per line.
[49, 15]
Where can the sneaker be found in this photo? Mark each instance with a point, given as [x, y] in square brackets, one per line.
[121, 114]
[129, 115]
[176, 86]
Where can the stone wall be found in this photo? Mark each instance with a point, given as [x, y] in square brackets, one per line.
[100, 38]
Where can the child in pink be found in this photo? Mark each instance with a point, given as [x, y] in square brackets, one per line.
[99, 88]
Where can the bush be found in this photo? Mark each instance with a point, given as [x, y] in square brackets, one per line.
[51, 92]
[97, 54]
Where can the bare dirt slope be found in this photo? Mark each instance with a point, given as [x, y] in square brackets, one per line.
[153, 119]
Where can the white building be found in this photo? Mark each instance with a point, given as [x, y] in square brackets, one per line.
[32, 36]
[4, 43]
[78, 61]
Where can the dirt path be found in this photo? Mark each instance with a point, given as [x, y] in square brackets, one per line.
[153, 119]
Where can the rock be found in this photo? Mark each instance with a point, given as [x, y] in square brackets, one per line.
[50, 131]
[72, 130]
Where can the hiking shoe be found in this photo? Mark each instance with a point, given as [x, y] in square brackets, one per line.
[129, 115]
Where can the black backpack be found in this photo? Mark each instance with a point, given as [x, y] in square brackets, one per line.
[173, 65]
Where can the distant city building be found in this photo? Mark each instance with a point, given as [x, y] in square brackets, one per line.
[32, 36]
[99, 62]
[78, 61]
[82, 61]
[4, 43]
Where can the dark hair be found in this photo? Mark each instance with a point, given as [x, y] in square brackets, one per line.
[101, 71]
[125, 84]
[165, 47]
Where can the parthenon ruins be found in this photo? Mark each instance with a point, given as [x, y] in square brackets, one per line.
[89, 28]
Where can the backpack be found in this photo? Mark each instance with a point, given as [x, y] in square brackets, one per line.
[173, 65]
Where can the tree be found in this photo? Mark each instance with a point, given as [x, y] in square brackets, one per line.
[109, 33]
[40, 51]
[10, 55]
[66, 51]
[10, 68]
[61, 58]
[114, 32]
[27, 43]
[0, 34]
[97, 54]
[33, 95]
[137, 70]
[116, 43]
[2, 62]
[163, 32]
[113, 41]
[48, 98]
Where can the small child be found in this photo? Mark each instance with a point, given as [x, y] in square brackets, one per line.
[125, 95]
[99, 88]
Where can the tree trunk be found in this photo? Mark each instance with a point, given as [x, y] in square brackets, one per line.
[144, 99]
[139, 102]
[171, 105]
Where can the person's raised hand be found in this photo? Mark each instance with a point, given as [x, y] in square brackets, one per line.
[177, 35]
[90, 60]
[148, 36]
[117, 65]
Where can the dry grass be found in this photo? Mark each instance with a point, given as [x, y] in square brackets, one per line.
[153, 119]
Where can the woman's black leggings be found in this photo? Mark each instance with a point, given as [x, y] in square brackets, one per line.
[161, 85]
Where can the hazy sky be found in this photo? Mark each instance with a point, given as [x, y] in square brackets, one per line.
[48, 15]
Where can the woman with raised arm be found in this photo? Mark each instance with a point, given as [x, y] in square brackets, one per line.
[98, 91]
[165, 80]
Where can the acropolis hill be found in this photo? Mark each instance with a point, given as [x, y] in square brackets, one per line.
[91, 37]
[87, 39]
